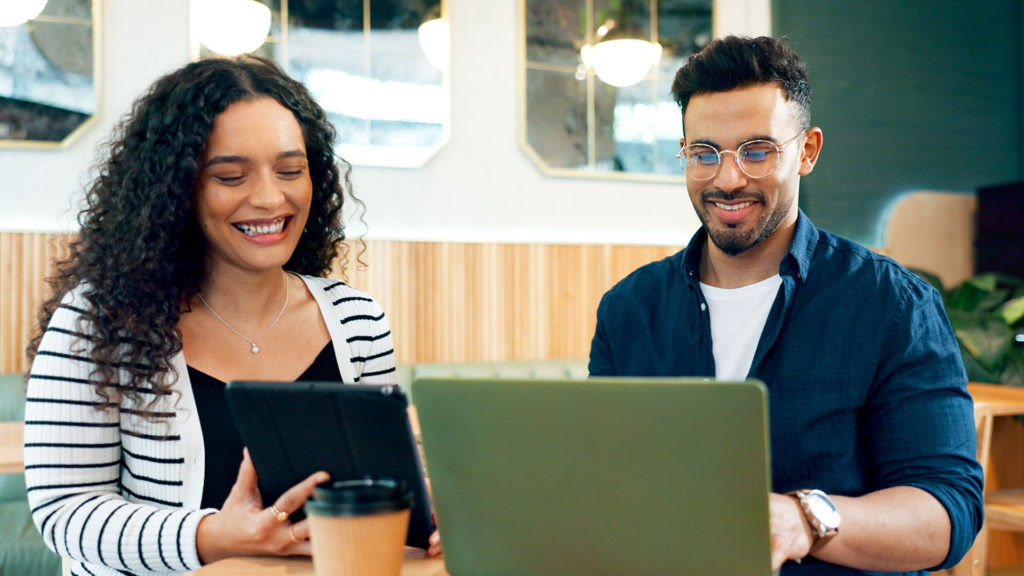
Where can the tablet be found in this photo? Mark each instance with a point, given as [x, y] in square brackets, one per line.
[293, 429]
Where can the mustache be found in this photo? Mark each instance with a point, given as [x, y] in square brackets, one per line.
[715, 194]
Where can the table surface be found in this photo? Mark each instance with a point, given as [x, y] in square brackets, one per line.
[12, 458]
[416, 563]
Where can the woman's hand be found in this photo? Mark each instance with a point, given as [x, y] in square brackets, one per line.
[435, 537]
[243, 527]
[435, 544]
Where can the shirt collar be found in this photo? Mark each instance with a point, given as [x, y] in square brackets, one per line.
[797, 261]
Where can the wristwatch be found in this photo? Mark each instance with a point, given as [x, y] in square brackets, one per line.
[821, 514]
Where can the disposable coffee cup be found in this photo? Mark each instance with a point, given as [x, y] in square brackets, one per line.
[359, 527]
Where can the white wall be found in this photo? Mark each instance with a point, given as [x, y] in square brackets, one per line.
[480, 187]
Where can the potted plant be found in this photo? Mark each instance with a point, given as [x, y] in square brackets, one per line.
[987, 314]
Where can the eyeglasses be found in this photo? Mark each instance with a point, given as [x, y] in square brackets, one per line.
[756, 159]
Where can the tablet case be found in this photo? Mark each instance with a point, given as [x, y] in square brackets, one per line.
[603, 477]
[293, 429]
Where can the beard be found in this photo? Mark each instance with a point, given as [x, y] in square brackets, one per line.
[732, 239]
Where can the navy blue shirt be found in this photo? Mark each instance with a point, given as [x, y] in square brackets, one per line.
[865, 381]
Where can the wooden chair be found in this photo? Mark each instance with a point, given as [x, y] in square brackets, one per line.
[1004, 510]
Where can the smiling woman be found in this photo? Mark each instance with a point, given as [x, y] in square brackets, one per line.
[218, 207]
[254, 192]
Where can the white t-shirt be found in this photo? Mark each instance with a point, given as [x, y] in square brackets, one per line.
[738, 316]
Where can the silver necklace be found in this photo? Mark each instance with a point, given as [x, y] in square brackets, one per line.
[255, 348]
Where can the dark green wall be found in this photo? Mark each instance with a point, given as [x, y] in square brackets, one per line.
[911, 95]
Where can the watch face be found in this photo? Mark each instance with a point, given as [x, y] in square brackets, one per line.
[823, 510]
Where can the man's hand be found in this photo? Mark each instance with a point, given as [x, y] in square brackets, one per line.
[899, 529]
[790, 532]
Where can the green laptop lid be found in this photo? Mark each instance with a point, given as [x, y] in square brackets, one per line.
[598, 477]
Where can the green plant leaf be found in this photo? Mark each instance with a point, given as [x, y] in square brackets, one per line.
[965, 297]
[984, 282]
[1009, 281]
[985, 312]
[1013, 311]
[992, 300]
[975, 371]
[986, 337]
[1013, 373]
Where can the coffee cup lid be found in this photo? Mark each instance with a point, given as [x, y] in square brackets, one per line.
[357, 497]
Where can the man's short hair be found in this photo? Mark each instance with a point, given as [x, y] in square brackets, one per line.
[738, 62]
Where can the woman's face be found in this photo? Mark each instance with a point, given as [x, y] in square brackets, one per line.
[254, 191]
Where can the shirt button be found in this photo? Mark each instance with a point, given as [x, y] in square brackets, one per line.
[703, 307]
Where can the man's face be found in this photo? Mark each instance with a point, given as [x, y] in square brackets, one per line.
[740, 212]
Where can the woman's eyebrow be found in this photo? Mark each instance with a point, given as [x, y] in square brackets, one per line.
[226, 159]
[296, 153]
[237, 159]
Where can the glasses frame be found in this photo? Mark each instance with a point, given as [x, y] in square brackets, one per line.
[683, 159]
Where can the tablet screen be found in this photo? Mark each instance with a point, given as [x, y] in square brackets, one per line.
[293, 429]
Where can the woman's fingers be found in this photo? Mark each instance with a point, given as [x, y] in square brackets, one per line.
[243, 527]
[435, 544]
[296, 540]
[297, 495]
[245, 490]
[293, 538]
[300, 531]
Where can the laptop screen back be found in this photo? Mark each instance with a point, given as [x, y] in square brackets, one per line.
[599, 476]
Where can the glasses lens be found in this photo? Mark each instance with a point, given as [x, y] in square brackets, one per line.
[701, 161]
[758, 158]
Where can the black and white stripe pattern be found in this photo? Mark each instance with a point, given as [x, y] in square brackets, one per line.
[120, 493]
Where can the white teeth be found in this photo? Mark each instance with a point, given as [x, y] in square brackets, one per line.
[275, 227]
[733, 207]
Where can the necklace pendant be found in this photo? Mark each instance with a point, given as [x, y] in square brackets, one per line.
[255, 349]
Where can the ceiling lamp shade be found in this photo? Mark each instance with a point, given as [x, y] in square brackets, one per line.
[621, 62]
[17, 12]
[433, 35]
[231, 27]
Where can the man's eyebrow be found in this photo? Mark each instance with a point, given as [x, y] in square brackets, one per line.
[704, 141]
[715, 145]
[235, 159]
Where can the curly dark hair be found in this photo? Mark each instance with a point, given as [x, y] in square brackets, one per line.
[737, 62]
[139, 256]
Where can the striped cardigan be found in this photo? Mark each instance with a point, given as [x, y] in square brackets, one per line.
[120, 494]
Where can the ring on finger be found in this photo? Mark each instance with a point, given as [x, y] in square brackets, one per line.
[279, 515]
[291, 533]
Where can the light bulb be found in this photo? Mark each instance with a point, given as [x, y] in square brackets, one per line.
[434, 42]
[622, 62]
[231, 27]
[17, 12]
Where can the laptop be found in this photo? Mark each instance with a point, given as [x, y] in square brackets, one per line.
[606, 476]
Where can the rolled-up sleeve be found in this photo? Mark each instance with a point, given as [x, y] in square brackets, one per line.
[919, 417]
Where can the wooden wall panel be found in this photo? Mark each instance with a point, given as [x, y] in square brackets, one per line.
[25, 261]
[447, 302]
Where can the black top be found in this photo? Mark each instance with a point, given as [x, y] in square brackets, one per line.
[221, 440]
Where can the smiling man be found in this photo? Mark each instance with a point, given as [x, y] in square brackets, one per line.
[872, 433]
